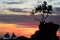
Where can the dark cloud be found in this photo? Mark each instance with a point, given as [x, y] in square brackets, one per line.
[19, 2]
[18, 10]
[56, 10]
[11, 2]
[15, 9]
[25, 19]
[16, 18]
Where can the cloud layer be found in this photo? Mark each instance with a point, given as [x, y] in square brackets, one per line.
[21, 19]
[16, 2]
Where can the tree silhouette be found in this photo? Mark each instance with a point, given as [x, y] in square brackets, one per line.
[7, 36]
[47, 31]
[44, 9]
[13, 36]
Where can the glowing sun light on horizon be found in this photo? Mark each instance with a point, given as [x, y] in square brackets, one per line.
[12, 28]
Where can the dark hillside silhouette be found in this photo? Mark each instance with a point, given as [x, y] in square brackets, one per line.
[47, 31]
[22, 38]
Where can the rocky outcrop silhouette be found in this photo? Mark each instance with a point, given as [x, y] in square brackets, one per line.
[47, 31]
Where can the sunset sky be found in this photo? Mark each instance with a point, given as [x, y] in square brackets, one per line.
[15, 16]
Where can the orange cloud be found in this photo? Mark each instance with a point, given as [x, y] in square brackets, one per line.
[27, 32]
[19, 31]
